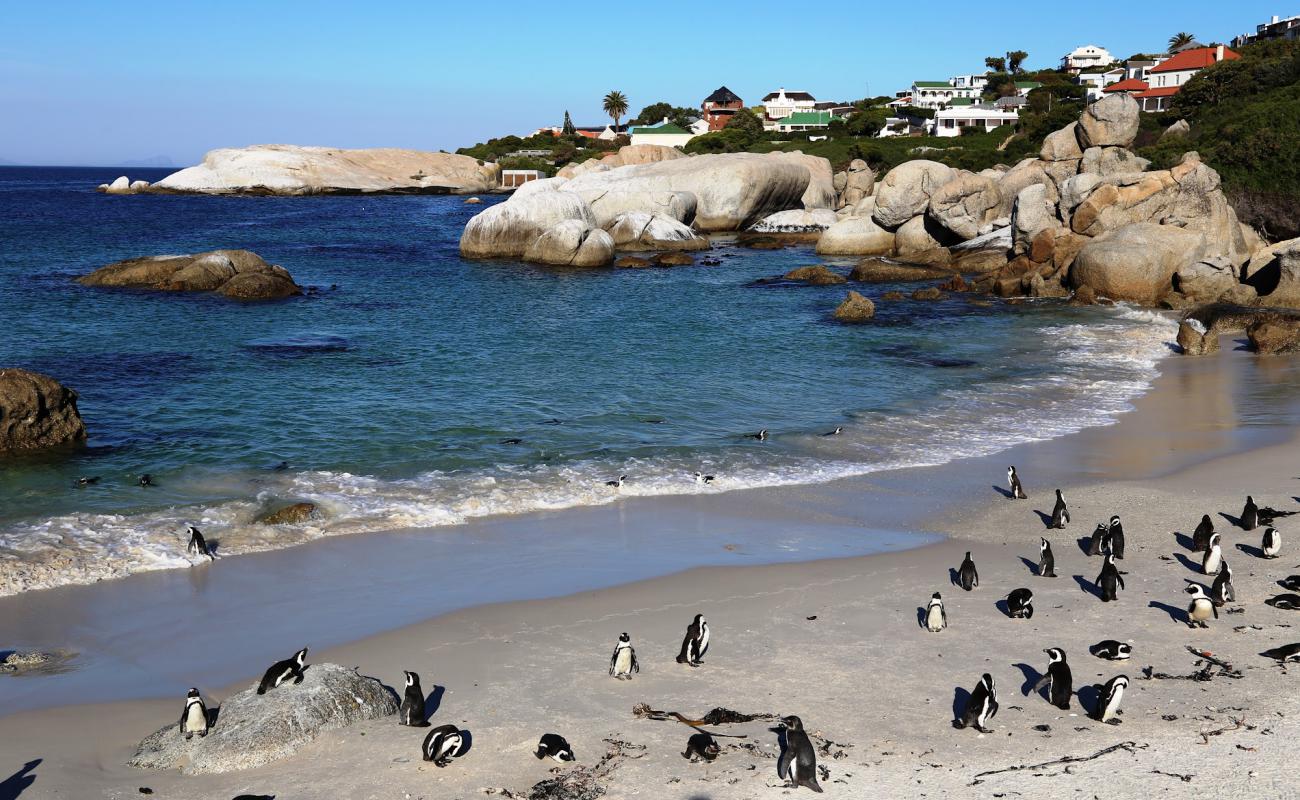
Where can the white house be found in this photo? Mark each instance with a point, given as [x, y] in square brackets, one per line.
[1164, 80]
[1089, 55]
[1275, 28]
[805, 121]
[951, 121]
[968, 81]
[1094, 82]
[781, 104]
[937, 94]
[665, 133]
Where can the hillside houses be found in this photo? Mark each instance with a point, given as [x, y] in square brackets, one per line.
[1156, 89]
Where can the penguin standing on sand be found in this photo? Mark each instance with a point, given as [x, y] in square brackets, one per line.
[936, 619]
[282, 671]
[194, 719]
[1060, 512]
[412, 711]
[981, 706]
[1271, 544]
[701, 746]
[966, 573]
[1020, 604]
[198, 546]
[443, 743]
[798, 763]
[1058, 680]
[1252, 516]
[1223, 592]
[1097, 545]
[1046, 561]
[1201, 608]
[1115, 535]
[1201, 536]
[1111, 650]
[1108, 702]
[623, 663]
[1013, 480]
[1213, 556]
[1109, 580]
[555, 747]
[696, 643]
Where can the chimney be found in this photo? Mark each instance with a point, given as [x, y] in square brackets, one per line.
[1218, 53]
[1273, 21]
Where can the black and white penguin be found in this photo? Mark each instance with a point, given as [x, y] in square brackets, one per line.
[412, 713]
[194, 719]
[1109, 580]
[1108, 701]
[936, 619]
[981, 706]
[1291, 582]
[1252, 516]
[1271, 544]
[1013, 480]
[1115, 534]
[1285, 653]
[618, 484]
[1284, 602]
[1201, 536]
[760, 436]
[145, 480]
[701, 746]
[703, 479]
[798, 763]
[88, 480]
[1097, 545]
[1201, 608]
[1046, 561]
[966, 573]
[1213, 556]
[1060, 512]
[282, 671]
[1058, 680]
[1111, 650]
[1020, 604]
[1223, 592]
[198, 546]
[623, 663]
[555, 747]
[838, 430]
[696, 643]
[512, 440]
[443, 743]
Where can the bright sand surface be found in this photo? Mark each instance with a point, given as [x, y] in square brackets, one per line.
[863, 675]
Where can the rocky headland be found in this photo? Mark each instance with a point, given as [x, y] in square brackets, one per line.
[237, 274]
[37, 412]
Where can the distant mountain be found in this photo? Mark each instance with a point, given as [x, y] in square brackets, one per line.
[160, 162]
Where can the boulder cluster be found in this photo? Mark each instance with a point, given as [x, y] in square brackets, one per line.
[237, 274]
[124, 185]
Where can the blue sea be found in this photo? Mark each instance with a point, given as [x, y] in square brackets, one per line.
[390, 396]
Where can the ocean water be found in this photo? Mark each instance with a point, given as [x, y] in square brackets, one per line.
[389, 397]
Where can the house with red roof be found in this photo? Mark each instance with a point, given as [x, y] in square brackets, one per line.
[1164, 80]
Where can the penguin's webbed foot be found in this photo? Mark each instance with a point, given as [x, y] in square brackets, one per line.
[1114, 721]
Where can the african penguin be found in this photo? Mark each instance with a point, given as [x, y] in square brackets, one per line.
[1013, 480]
[696, 643]
[1060, 513]
[198, 546]
[703, 479]
[798, 762]
[194, 719]
[836, 432]
[618, 484]
[146, 480]
[555, 747]
[1222, 591]
[1291, 582]
[90, 480]
[1213, 555]
[1284, 602]
[1058, 680]
[1250, 515]
[1020, 604]
[443, 743]
[966, 573]
[1046, 561]
[512, 440]
[1115, 535]
[1109, 579]
[412, 711]
[1201, 608]
[282, 671]
[981, 706]
[623, 663]
[936, 619]
[1201, 536]
[701, 746]
[760, 436]
[1285, 653]
[1271, 544]
[1108, 701]
[1097, 545]
[1111, 650]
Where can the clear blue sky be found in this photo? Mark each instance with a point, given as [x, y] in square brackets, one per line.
[115, 80]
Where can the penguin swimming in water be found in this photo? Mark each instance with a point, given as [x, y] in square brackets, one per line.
[966, 573]
[936, 619]
[1284, 602]
[282, 671]
[1223, 592]
[1058, 680]
[1013, 480]
[1201, 536]
[1060, 512]
[623, 663]
[1108, 701]
[1020, 604]
[146, 480]
[696, 643]
[760, 436]
[701, 746]
[1252, 516]
[981, 706]
[512, 440]
[1115, 536]
[1109, 579]
[1046, 561]
[1201, 608]
[1291, 582]
[1097, 545]
[412, 713]
[703, 479]
[836, 432]
[1111, 650]
[798, 763]
[443, 743]
[617, 484]
[194, 719]
[198, 546]
[1213, 555]
[1271, 544]
[1285, 653]
[90, 480]
[555, 747]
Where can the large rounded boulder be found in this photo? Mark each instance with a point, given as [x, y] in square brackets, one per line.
[640, 231]
[36, 412]
[572, 243]
[855, 236]
[906, 190]
[508, 229]
[238, 274]
[1137, 262]
[966, 204]
[1110, 122]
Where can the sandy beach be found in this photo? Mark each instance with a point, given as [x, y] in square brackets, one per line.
[835, 641]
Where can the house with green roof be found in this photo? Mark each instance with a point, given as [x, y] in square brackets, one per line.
[938, 94]
[665, 133]
[805, 121]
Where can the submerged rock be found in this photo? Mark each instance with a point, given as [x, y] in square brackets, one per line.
[1194, 340]
[289, 515]
[855, 308]
[37, 412]
[238, 274]
[876, 270]
[816, 275]
[1274, 334]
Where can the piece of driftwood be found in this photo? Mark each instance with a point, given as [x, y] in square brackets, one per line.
[718, 716]
[1237, 724]
[1184, 778]
[1126, 746]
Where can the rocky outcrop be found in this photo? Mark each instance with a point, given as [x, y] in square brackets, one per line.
[1194, 340]
[607, 205]
[124, 185]
[1110, 122]
[1062, 145]
[1137, 262]
[252, 730]
[639, 231]
[1026, 173]
[966, 204]
[816, 275]
[292, 514]
[918, 241]
[859, 183]
[508, 229]
[1274, 274]
[238, 274]
[36, 412]
[907, 189]
[1111, 161]
[855, 236]
[876, 270]
[280, 169]
[1033, 213]
[626, 155]
[855, 308]
[1270, 335]
[1211, 280]
[1178, 130]
[796, 221]
[821, 179]
[572, 243]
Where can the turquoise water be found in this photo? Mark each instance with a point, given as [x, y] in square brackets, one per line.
[390, 393]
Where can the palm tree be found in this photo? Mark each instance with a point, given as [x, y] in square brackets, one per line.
[615, 106]
[1014, 59]
[996, 64]
[1180, 39]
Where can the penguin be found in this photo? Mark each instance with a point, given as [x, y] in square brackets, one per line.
[1058, 680]
[88, 480]
[1111, 650]
[1285, 653]
[1201, 536]
[760, 436]
[1223, 592]
[1252, 516]
[1109, 579]
[512, 440]
[443, 743]
[1291, 582]
[618, 484]
[1271, 543]
[696, 643]
[703, 479]
[1284, 602]
[198, 546]
[936, 619]
[838, 430]
[1115, 534]
[798, 763]
[280, 467]
[146, 480]
[981, 706]
[1098, 543]
[1201, 607]
[1108, 702]
[1213, 556]
[1060, 513]
[1046, 561]
[623, 663]
[701, 746]
[194, 718]
[1013, 480]
[282, 671]
[554, 746]
[966, 573]
[1020, 604]
[412, 713]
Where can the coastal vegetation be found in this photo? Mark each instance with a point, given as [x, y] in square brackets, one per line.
[615, 105]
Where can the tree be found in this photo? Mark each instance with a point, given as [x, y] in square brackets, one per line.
[747, 122]
[1014, 59]
[996, 64]
[1179, 39]
[866, 123]
[615, 106]
[568, 129]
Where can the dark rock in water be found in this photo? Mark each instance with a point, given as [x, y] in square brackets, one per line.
[289, 515]
[928, 293]
[632, 262]
[1274, 335]
[855, 308]
[1084, 296]
[301, 344]
[816, 275]
[950, 363]
[893, 296]
[252, 730]
[1194, 340]
[238, 274]
[763, 244]
[673, 260]
[35, 662]
[877, 270]
[37, 412]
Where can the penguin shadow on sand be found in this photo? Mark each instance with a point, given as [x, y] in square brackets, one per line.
[954, 577]
[920, 616]
[1032, 677]
[1250, 550]
[1031, 564]
[1090, 698]
[1003, 607]
[781, 743]
[1088, 586]
[1190, 563]
[434, 701]
[1085, 544]
[960, 697]
[1004, 492]
[1046, 518]
[1184, 541]
[1175, 613]
[17, 783]
[1234, 521]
